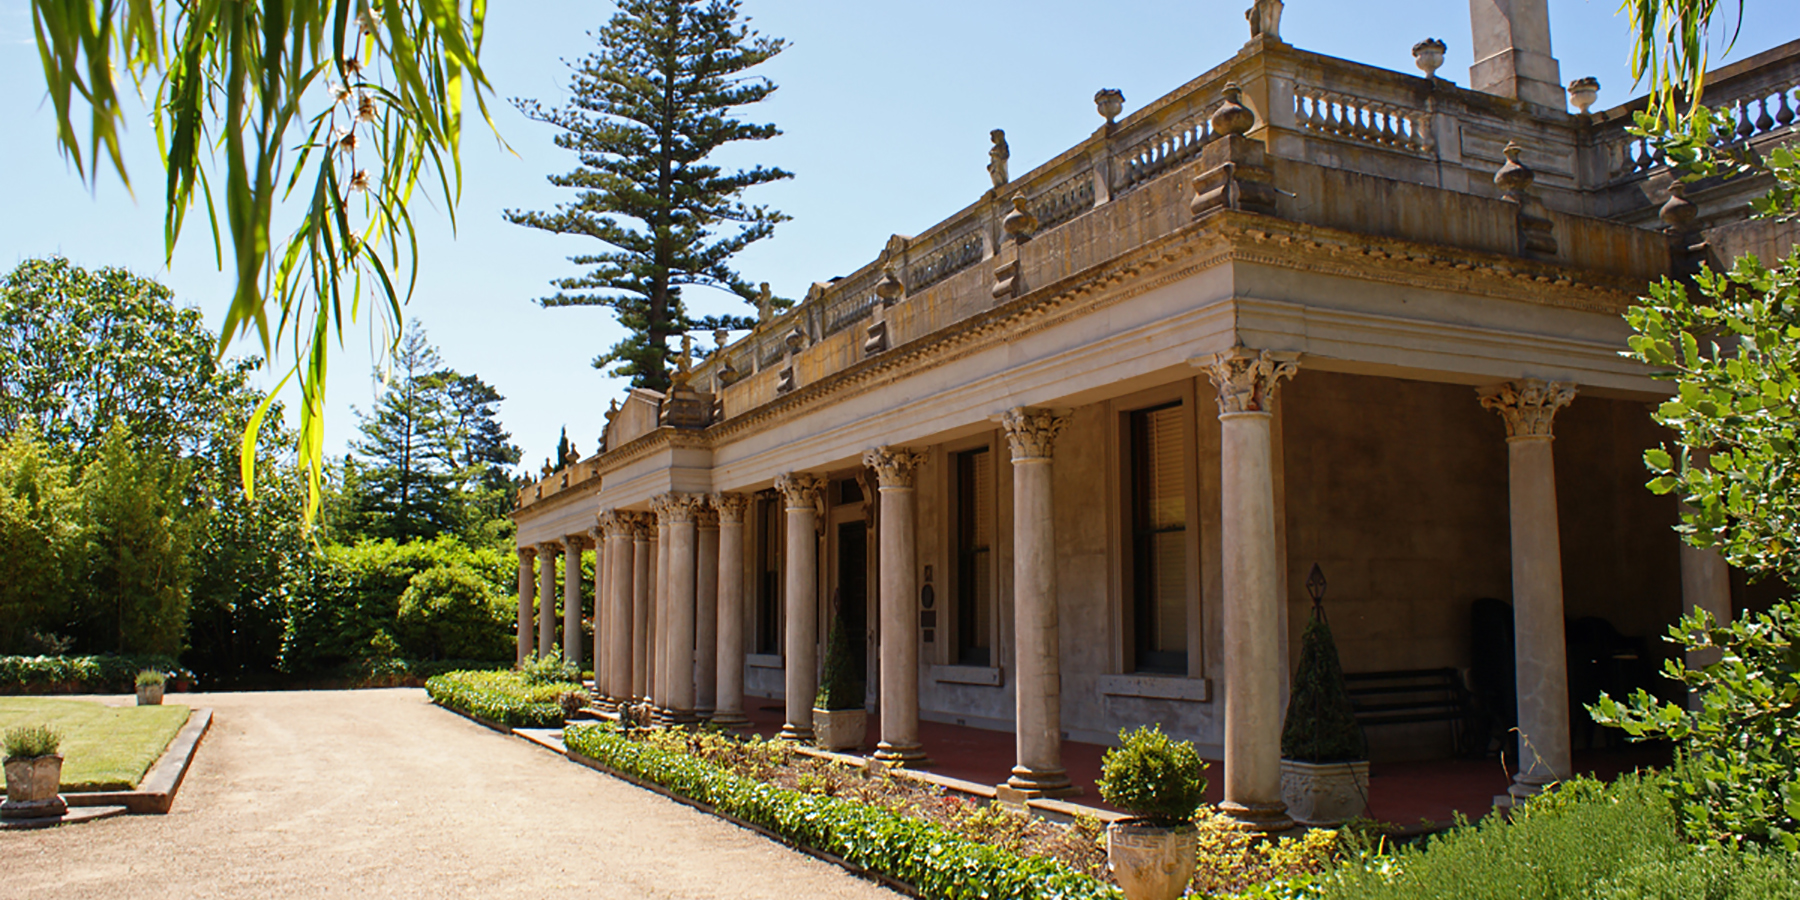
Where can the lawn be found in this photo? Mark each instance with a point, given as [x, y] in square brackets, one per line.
[104, 748]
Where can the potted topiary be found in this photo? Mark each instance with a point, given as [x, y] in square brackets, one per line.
[1324, 757]
[1160, 781]
[33, 774]
[150, 687]
[839, 720]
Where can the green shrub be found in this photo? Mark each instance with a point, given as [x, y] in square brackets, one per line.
[31, 742]
[80, 674]
[151, 678]
[841, 687]
[502, 697]
[935, 861]
[454, 612]
[1153, 776]
[548, 668]
[1321, 722]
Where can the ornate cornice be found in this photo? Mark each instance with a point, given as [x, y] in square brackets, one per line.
[801, 490]
[1528, 406]
[1032, 432]
[893, 466]
[1246, 379]
[731, 507]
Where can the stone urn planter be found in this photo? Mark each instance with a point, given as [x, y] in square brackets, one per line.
[1151, 861]
[1325, 793]
[839, 729]
[31, 788]
[150, 695]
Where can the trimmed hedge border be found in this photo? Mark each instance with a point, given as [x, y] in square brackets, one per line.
[82, 674]
[931, 861]
[466, 692]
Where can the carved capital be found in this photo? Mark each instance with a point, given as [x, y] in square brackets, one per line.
[801, 490]
[731, 507]
[527, 554]
[705, 516]
[547, 549]
[1529, 406]
[1032, 432]
[595, 535]
[893, 465]
[675, 507]
[1246, 379]
[574, 543]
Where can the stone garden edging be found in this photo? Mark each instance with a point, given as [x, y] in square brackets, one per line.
[155, 793]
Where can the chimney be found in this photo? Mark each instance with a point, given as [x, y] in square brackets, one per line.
[1512, 52]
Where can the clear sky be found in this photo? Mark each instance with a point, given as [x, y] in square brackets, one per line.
[886, 109]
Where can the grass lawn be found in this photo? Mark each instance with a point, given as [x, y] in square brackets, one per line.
[104, 748]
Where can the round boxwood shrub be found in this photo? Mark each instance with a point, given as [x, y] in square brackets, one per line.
[1153, 776]
[451, 612]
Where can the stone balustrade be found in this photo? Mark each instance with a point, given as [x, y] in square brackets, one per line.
[1329, 113]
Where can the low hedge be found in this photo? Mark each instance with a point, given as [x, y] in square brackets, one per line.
[933, 860]
[409, 672]
[81, 674]
[503, 697]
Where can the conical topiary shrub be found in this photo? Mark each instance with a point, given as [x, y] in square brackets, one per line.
[840, 688]
[1321, 722]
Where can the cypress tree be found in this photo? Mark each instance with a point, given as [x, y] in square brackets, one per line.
[647, 110]
[1321, 721]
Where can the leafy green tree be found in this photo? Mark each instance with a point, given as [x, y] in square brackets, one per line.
[404, 488]
[138, 531]
[648, 109]
[452, 612]
[335, 112]
[80, 350]
[39, 540]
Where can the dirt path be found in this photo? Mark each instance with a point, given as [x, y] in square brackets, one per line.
[379, 794]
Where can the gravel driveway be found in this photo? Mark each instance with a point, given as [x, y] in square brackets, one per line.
[377, 793]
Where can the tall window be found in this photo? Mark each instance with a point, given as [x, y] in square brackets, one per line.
[974, 558]
[768, 576]
[1159, 540]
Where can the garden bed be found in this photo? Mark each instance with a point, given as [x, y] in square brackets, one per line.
[104, 748]
[508, 699]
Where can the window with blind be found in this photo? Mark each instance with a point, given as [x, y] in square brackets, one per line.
[1159, 540]
[975, 537]
[767, 638]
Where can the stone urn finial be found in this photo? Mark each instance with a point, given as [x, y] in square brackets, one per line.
[1019, 223]
[1678, 212]
[1232, 117]
[1583, 92]
[1428, 55]
[1514, 177]
[1108, 102]
[889, 288]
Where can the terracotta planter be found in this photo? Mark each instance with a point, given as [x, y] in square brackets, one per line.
[1149, 861]
[1325, 793]
[150, 695]
[31, 788]
[839, 729]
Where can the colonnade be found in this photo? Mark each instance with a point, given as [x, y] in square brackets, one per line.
[670, 583]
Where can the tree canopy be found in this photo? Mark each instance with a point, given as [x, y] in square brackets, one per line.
[646, 112]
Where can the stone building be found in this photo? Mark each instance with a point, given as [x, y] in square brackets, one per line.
[1065, 460]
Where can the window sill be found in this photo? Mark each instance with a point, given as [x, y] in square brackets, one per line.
[763, 660]
[986, 676]
[1157, 687]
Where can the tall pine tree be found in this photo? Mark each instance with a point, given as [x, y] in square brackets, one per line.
[647, 110]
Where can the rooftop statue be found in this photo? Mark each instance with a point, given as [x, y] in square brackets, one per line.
[997, 157]
[1265, 19]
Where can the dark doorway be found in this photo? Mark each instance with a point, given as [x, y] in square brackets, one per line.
[853, 588]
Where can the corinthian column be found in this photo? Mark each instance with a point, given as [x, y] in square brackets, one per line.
[659, 605]
[1540, 643]
[572, 545]
[729, 701]
[546, 614]
[527, 595]
[641, 552]
[801, 491]
[706, 611]
[898, 597]
[1037, 660]
[597, 537]
[677, 649]
[612, 595]
[1246, 382]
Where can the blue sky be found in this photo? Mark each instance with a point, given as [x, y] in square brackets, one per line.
[886, 109]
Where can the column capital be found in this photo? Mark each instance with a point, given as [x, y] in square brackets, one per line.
[705, 515]
[1529, 405]
[549, 548]
[527, 552]
[893, 465]
[731, 507]
[801, 490]
[675, 507]
[595, 535]
[575, 543]
[1032, 432]
[636, 525]
[1246, 379]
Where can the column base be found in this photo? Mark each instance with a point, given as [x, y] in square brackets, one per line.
[1261, 817]
[669, 718]
[1028, 784]
[910, 756]
[801, 734]
[730, 718]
